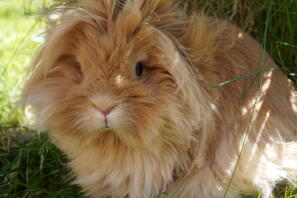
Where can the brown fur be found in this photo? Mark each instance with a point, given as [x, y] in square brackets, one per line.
[169, 131]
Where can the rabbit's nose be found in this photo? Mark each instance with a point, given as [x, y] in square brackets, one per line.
[106, 110]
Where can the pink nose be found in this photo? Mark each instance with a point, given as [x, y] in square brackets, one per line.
[105, 111]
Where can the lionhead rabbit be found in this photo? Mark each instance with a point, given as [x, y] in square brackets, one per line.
[123, 88]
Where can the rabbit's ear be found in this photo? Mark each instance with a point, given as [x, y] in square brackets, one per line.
[67, 67]
[59, 45]
[150, 8]
[129, 18]
[107, 9]
[132, 13]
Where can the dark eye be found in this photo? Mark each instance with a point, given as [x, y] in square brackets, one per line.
[139, 69]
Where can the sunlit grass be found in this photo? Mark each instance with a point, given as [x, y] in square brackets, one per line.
[17, 30]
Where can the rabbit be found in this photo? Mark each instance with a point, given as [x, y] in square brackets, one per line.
[130, 91]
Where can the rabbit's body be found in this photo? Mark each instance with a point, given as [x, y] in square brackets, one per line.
[162, 129]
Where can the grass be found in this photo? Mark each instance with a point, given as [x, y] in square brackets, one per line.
[252, 15]
[17, 47]
[35, 169]
[30, 166]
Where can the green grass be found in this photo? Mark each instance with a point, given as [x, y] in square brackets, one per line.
[35, 169]
[17, 28]
[32, 167]
[281, 39]
[281, 35]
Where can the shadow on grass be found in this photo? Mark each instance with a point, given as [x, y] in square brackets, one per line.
[35, 169]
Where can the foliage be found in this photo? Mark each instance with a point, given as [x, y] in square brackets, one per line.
[36, 169]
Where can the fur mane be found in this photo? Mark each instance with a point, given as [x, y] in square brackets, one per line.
[174, 30]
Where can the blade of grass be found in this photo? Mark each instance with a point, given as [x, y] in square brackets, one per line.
[240, 77]
[247, 131]
[286, 44]
[16, 51]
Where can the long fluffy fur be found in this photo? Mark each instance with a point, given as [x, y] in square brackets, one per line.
[170, 132]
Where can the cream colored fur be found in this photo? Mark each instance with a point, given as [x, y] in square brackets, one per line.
[169, 131]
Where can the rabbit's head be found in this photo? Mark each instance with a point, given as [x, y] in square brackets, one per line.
[116, 68]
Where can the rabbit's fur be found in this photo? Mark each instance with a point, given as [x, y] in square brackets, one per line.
[168, 130]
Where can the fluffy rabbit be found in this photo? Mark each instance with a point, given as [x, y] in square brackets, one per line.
[124, 89]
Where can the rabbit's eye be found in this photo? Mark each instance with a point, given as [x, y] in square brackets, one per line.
[139, 69]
